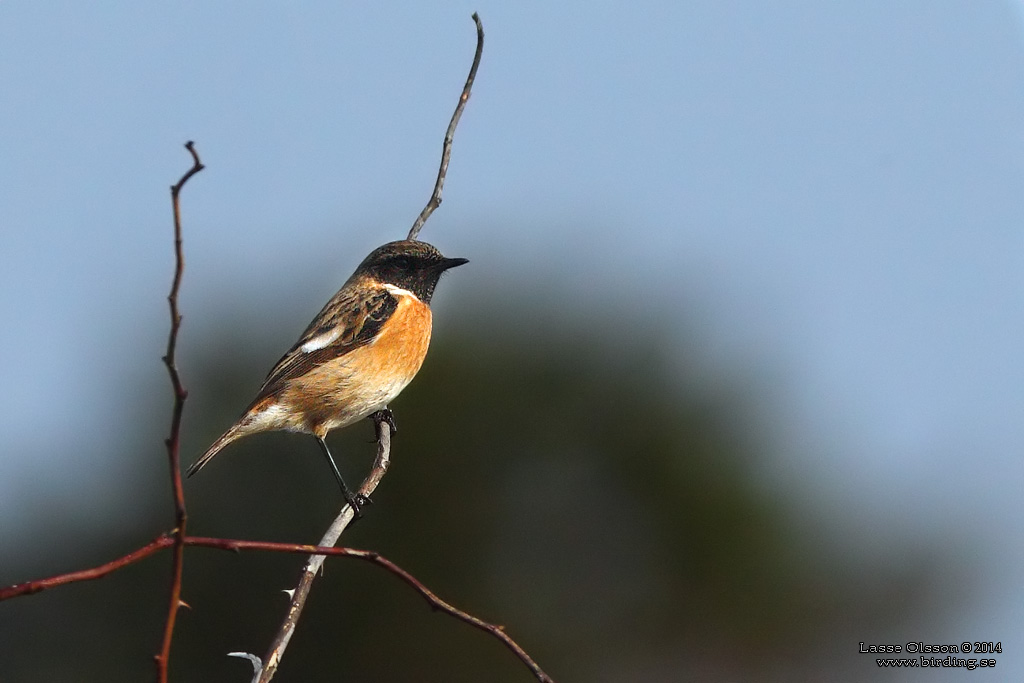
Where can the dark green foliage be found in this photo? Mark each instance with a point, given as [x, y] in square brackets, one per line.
[546, 476]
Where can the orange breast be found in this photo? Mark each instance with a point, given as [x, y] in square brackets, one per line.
[366, 379]
[397, 353]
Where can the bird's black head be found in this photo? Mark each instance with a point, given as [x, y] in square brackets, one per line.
[408, 264]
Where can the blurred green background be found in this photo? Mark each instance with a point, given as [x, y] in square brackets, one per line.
[558, 471]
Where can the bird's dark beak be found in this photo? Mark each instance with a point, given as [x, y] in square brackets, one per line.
[452, 263]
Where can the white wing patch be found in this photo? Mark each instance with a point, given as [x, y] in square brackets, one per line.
[321, 341]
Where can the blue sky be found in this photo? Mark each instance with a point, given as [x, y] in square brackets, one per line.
[833, 189]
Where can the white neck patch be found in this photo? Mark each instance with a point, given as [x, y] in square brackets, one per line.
[398, 291]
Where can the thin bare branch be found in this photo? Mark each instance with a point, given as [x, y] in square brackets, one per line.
[435, 602]
[298, 599]
[321, 551]
[439, 604]
[446, 150]
[30, 587]
[173, 441]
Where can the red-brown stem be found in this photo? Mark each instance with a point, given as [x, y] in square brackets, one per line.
[172, 540]
[29, 587]
[173, 441]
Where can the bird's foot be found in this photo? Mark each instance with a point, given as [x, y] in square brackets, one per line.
[385, 415]
[357, 502]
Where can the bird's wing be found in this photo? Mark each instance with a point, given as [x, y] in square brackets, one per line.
[351, 319]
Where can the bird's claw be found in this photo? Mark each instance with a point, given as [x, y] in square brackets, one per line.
[357, 501]
[385, 415]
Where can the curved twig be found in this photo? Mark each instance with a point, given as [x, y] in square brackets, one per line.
[446, 149]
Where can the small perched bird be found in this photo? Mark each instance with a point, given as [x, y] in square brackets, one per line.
[359, 352]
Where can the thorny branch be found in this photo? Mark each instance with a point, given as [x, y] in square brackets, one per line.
[446, 149]
[173, 442]
[169, 540]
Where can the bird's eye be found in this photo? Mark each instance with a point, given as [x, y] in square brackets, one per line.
[403, 263]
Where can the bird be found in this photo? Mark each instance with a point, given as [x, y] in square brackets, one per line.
[354, 358]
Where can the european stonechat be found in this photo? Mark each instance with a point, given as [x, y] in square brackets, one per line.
[359, 352]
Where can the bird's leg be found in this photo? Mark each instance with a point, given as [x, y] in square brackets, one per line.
[355, 500]
[385, 415]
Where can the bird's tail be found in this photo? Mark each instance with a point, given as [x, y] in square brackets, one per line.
[237, 431]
